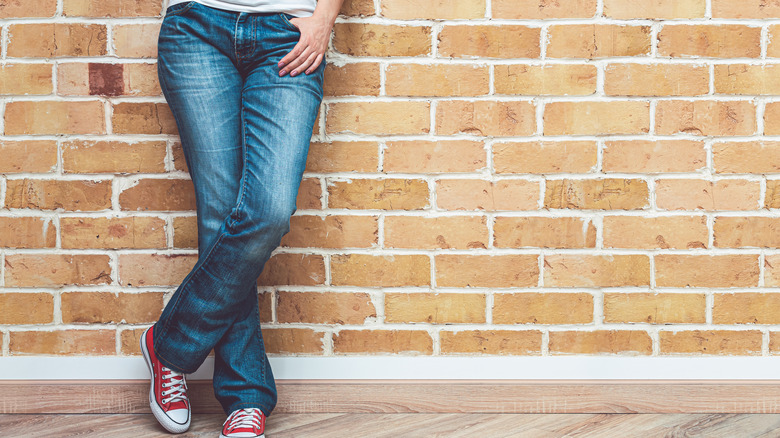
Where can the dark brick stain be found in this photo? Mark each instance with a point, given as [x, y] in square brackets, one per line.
[106, 79]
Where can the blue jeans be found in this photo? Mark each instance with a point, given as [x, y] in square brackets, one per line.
[245, 134]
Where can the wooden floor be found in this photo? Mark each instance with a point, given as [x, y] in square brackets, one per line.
[409, 425]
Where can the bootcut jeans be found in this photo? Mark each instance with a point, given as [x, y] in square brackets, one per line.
[245, 134]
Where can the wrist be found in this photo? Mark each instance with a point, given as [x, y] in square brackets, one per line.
[326, 16]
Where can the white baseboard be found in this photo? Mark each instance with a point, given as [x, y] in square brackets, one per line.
[419, 367]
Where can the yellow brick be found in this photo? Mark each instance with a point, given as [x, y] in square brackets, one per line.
[106, 307]
[712, 41]
[628, 79]
[383, 194]
[673, 232]
[293, 268]
[575, 270]
[598, 194]
[627, 9]
[761, 9]
[659, 156]
[543, 308]
[678, 270]
[27, 232]
[544, 232]
[28, 156]
[332, 231]
[80, 156]
[746, 232]
[449, 232]
[63, 342]
[592, 41]
[365, 39]
[324, 308]
[46, 40]
[747, 79]
[720, 342]
[701, 117]
[496, 342]
[114, 233]
[378, 118]
[25, 79]
[633, 342]
[26, 308]
[506, 41]
[380, 270]
[445, 156]
[434, 308]
[459, 270]
[382, 341]
[654, 308]
[551, 79]
[485, 118]
[746, 308]
[695, 194]
[475, 194]
[595, 118]
[433, 9]
[354, 79]
[54, 117]
[442, 80]
[542, 9]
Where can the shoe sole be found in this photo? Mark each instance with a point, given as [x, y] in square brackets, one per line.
[159, 414]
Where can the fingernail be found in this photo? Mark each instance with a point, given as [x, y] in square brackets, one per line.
[281, 64]
[293, 73]
[282, 72]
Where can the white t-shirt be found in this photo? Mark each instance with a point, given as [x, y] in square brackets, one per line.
[298, 8]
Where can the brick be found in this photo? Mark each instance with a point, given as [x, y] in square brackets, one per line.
[136, 40]
[265, 304]
[575, 270]
[720, 342]
[434, 308]
[383, 194]
[624, 342]
[292, 340]
[378, 118]
[772, 194]
[113, 233]
[309, 194]
[354, 8]
[597, 194]
[154, 269]
[551, 79]
[701, 117]
[628, 9]
[773, 46]
[746, 9]
[433, 9]
[28, 156]
[445, 156]
[733, 270]
[477, 194]
[542, 9]
[447, 232]
[107, 79]
[27, 232]
[68, 195]
[63, 342]
[47, 40]
[597, 118]
[771, 274]
[591, 41]
[366, 39]
[107, 307]
[440, 80]
[332, 231]
[544, 232]
[505, 41]
[659, 156]
[695, 194]
[746, 232]
[511, 270]
[28, 8]
[655, 308]
[324, 308]
[129, 341]
[746, 308]
[543, 308]
[185, 232]
[26, 308]
[143, 118]
[354, 79]
[343, 156]
[54, 117]
[772, 118]
[53, 270]
[746, 157]
[117, 8]
[747, 79]
[158, 194]
[628, 79]
[82, 156]
[671, 232]
[495, 342]
[710, 41]
[485, 118]
[380, 270]
[544, 157]
[25, 79]
[382, 341]
[290, 268]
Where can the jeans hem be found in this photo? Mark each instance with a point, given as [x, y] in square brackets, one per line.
[168, 363]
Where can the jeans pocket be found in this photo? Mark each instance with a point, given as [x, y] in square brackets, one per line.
[286, 19]
[179, 8]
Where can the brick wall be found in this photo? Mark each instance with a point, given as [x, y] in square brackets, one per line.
[515, 177]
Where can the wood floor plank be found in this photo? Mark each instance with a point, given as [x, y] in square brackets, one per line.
[410, 425]
[415, 396]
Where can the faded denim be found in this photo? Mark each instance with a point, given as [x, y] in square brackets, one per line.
[245, 133]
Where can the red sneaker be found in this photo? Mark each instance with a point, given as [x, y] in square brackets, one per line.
[244, 423]
[168, 390]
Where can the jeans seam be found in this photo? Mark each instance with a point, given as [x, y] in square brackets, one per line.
[288, 22]
[184, 8]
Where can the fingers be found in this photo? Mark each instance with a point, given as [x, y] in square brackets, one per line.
[305, 64]
[300, 59]
[316, 63]
[294, 53]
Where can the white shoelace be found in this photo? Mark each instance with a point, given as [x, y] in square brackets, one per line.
[177, 384]
[249, 417]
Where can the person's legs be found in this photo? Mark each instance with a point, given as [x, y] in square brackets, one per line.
[216, 304]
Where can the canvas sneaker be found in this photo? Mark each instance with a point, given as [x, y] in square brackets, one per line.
[168, 390]
[244, 423]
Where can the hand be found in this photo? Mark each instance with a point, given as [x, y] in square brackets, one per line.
[310, 50]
